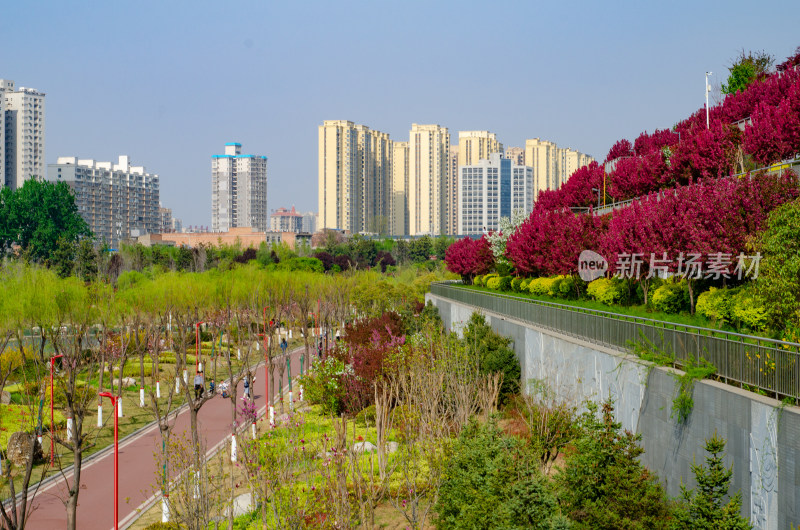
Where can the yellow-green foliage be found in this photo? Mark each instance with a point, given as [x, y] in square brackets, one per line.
[606, 291]
[478, 280]
[15, 418]
[545, 286]
[493, 283]
[749, 310]
[715, 304]
[523, 286]
[671, 297]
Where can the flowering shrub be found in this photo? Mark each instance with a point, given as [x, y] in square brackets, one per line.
[550, 242]
[322, 384]
[469, 257]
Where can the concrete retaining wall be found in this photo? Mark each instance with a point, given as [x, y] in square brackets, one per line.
[763, 437]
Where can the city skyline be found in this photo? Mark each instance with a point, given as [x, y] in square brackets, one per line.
[583, 78]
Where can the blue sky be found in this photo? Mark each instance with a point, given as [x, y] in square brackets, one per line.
[169, 82]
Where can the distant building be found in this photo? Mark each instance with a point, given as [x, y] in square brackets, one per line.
[243, 236]
[451, 212]
[309, 222]
[516, 155]
[429, 176]
[117, 201]
[355, 177]
[492, 189]
[552, 165]
[474, 146]
[283, 220]
[22, 120]
[238, 190]
[168, 222]
[398, 203]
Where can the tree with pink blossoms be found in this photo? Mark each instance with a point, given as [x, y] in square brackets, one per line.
[621, 148]
[639, 175]
[550, 242]
[775, 132]
[469, 257]
[711, 153]
[648, 143]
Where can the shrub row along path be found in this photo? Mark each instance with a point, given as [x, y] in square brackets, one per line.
[137, 465]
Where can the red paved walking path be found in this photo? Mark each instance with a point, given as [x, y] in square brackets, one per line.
[137, 466]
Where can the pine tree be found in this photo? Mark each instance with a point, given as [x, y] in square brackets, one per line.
[705, 506]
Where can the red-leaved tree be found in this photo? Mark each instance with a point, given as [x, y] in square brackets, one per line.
[469, 257]
[550, 242]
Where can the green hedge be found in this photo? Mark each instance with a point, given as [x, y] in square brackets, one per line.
[516, 283]
[505, 283]
[493, 283]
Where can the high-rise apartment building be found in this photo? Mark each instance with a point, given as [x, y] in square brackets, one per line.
[398, 204]
[285, 220]
[429, 170]
[490, 190]
[21, 135]
[552, 165]
[117, 201]
[238, 190]
[452, 192]
[355, 177]
[474, 146]
[516, 155]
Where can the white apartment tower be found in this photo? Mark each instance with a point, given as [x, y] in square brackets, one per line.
[429, 169]
[238, 190]
[21, 134]
[117, 201]
[490, 190]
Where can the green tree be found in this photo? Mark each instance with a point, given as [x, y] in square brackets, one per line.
[420, 250]
[440, 246]
[87, 261]
[36, 216]
[494, 354]
[490, 482]
[705, 507]
[63, 258]
[603, 484]
[779, 275]
[745, 69]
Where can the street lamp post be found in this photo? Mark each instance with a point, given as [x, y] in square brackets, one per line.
[197, 347]
[708, 89]
[52, 419]
[116, 457]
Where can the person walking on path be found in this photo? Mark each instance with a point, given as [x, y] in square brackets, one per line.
[246, 387]
[211, 387]
[284, 345]
[198, 385]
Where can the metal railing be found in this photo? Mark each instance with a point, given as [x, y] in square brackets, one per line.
[768, 366]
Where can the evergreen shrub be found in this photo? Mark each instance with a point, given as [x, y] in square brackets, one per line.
[671, 298]
[608, 291]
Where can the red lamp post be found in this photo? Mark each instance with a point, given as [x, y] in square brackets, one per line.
[197, 347]
[116, 457]
[52, 421]
[266, 370]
